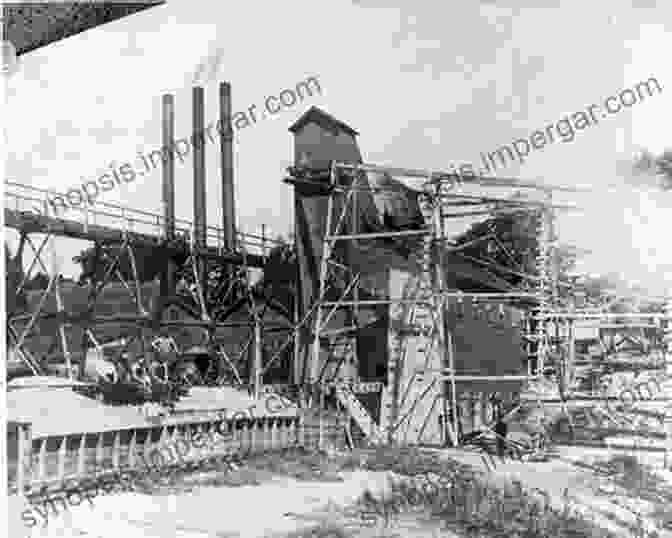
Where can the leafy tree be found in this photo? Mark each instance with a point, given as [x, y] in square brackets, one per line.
[507, 241]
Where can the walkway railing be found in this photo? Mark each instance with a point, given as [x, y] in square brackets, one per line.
[29, 199]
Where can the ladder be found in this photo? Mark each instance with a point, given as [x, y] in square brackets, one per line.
[361, 416]
[422, 365]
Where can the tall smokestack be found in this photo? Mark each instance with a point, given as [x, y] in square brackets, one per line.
[200, 215]
[168, 124]
[228, 193]
[166, 289]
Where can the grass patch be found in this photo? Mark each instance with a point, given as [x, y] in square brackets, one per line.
[456, 497]
[296, 463]
[469, 507]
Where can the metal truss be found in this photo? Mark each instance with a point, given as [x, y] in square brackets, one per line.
[117, 233]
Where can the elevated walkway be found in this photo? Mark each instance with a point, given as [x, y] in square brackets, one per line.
[109, 222]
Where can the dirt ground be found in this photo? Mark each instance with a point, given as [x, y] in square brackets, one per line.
[298, 494]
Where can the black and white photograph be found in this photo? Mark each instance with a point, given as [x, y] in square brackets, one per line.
[336, 269]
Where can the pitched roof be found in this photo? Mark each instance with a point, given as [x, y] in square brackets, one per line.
[324, 120]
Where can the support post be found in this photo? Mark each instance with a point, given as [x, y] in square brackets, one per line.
[354, 321]
[320, 442]
[444, 331]
[324, 262]
[297, 362]
[55, 269]
[257, 358]
[545, 292]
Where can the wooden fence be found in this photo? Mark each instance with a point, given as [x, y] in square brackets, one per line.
[51, 460]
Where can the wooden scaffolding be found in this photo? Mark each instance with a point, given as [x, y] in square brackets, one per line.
[419, 399]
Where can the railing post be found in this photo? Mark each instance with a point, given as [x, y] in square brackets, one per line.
[42, 459]
[263, 241]
[116, 449]
[62, 455]
[301, 431]
[24, 455]
[132, 449]
[99, 450]
[81, 457]
[274, 433]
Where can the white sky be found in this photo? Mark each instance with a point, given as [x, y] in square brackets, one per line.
[426, 84]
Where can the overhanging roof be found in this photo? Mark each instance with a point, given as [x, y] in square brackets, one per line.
[326, 121]
[30, 26]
